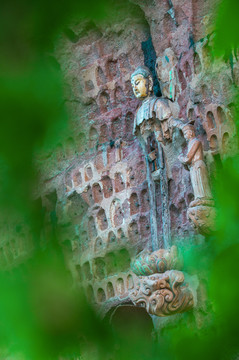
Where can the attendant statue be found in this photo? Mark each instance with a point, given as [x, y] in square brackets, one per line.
[194, 161]
[201, 210]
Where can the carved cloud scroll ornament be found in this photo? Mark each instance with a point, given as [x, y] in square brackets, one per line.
[161, 291]
[163, 294]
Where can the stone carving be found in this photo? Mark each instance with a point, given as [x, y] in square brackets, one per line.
[163, 294]
[161, 289]
[157, 262]
[153, 125]
[194, 160]
[167, 74]
[201, 210]
[154, 114]
[202, 217]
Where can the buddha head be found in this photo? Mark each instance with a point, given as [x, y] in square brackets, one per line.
[142, 82]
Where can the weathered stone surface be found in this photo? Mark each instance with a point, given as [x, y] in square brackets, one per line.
[203, 217]
[98, 180]
[163, 294]
[159, 261]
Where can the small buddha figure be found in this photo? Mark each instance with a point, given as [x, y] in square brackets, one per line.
[154, 114]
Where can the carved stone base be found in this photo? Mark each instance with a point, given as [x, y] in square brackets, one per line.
[163, 294]
[159, 261]
[204, 202]
[202, 214]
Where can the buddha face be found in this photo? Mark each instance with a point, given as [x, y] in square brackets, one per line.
[140, 86]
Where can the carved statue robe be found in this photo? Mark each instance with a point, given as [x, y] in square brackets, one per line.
[198, 170]
[153, 115]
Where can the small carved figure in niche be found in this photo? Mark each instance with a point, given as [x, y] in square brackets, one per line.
[201, 210]
[194, 161]
[154, 114]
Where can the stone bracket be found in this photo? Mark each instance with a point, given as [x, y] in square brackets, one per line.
[163, 294]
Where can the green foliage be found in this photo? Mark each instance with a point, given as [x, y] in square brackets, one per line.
[227, 28]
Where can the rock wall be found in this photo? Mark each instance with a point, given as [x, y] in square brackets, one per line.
[96, 181]
[100, 173]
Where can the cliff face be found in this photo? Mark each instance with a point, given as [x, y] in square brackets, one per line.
[98, 182]
[99, 171]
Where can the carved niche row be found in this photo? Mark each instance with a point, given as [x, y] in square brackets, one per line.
[134, 205]
[107, 187]
[138, 225]
[109, 99]
[139, 203]
[109, 71]
[116, 218]
[96, 193]
[104, 96]
[118, 127]
[219, 127]
[117, 210]
[102, 267]
[112, 239]
[117, 287]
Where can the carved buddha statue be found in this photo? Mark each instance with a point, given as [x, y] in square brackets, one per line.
[154, 114]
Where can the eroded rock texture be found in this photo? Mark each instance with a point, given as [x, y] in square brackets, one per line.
[97, 182]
